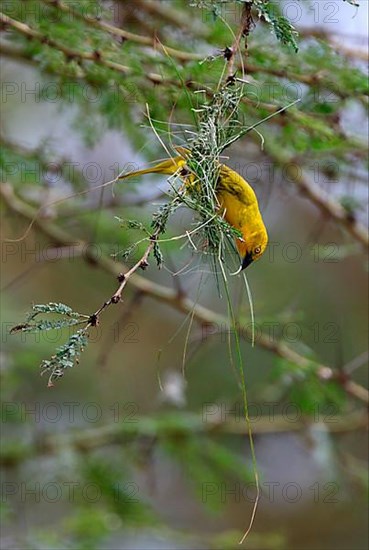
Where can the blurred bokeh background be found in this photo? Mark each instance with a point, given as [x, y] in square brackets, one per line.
[144, 443]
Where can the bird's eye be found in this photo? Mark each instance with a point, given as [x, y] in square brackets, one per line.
[257, 250]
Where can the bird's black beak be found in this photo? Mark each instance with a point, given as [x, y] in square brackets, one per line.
[247, 260]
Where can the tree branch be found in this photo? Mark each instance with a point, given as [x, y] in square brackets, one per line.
[119, 433]
[177, 300]
[244, 30]
[320, 197]
[125, 35]
[95, 56]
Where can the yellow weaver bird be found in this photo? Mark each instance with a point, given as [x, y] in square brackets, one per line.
[237, 203]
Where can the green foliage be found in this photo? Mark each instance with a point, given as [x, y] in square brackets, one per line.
[68, 354]
[266, 10]
[220, 117]
[31, 324]
[52, 307]
[281, 27]
[306, 391]
[120, 495]
[121, 96]
[14, 451]
[256, 541]
[88, 527]
[207, 464]
[159, 222]
[125, 77]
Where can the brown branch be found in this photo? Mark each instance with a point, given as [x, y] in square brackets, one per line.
[177, 300]
[208, 425]
[95, 56]
[297, 116]
[319, 197]
[125, 35]
[123, 279]
[245, 27]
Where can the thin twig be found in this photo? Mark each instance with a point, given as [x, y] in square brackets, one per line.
[123, 279]
[183, 303]
[244, 31]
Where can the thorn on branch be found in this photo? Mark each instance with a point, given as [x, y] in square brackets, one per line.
[249, 24]
[144, 264]
[93, 320]
[231, 79]
[227, 53]
[121, 277]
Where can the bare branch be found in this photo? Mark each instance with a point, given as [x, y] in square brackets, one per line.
[179, 301]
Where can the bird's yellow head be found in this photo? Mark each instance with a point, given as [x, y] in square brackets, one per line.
[253, 246]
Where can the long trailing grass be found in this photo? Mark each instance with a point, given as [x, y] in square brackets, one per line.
[218, 127]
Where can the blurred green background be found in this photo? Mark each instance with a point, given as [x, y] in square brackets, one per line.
[135, 448]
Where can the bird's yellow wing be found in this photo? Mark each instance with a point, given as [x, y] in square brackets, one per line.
[237, 203]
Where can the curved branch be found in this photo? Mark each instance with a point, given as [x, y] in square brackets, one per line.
[320, 197]
[122, 433]
[125, 35]
[95, 56]
[169, 296]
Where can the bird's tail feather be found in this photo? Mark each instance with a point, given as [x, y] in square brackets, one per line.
[168, 166]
